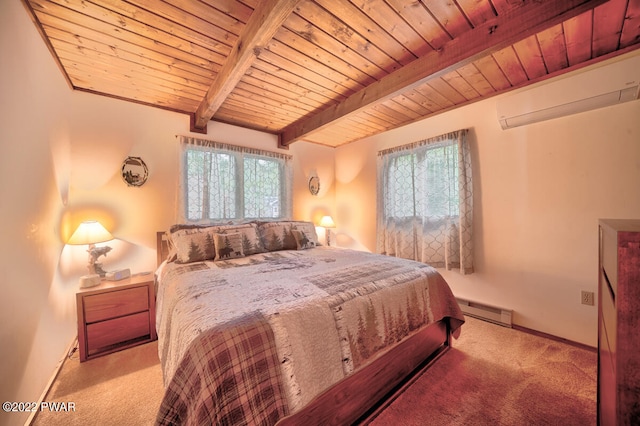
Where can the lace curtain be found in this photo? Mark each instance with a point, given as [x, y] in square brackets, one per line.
[425, 202]
[227, 182]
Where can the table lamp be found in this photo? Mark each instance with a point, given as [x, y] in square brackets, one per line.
[327, 222]
[92, 232]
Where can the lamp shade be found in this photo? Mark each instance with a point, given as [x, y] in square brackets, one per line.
[327, 222]
[90, 232]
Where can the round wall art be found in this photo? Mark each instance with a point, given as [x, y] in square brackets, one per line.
[134, 171]
[314, 185]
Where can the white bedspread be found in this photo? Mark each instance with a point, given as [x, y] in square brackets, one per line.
[337, 334]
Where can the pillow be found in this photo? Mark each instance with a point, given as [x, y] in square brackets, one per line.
[251, 242]
[309, 230]
[228, 246]
[180, 226]
[278, 235]
[302, 241]
[194, 244]
[172, 252]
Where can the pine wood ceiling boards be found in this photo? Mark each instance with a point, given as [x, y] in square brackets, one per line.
[325, 71]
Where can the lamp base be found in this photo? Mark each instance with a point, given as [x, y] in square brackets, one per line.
[91, 280]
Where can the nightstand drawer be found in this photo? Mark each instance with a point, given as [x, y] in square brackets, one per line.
[115, 331]
[113, 304]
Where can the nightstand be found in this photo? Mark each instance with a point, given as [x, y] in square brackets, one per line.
[116, 315]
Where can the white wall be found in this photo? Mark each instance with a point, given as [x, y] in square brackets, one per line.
[60, 158]
[539, 192]
[313, 160]
[30, 206]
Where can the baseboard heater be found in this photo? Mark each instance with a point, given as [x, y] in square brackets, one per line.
[481, 311]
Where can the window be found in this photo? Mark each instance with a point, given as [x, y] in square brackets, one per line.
[425, 202]
[428, 172]
[226, 182]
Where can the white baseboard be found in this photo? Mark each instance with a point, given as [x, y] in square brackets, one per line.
[496, 315]
[56, 371]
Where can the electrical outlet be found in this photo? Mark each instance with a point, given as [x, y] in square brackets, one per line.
[587, 298]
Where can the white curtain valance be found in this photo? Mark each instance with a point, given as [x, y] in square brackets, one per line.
[208, 144]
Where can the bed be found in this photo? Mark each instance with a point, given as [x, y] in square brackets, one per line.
[260, 324]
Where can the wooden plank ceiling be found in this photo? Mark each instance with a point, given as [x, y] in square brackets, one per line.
[324, 71]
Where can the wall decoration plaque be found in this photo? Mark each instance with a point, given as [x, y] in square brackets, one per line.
[314, 185]
[134, 171]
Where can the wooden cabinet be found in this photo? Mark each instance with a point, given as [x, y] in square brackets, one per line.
[116, 315]
[619, 323]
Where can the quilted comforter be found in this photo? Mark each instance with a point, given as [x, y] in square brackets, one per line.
[253, 339]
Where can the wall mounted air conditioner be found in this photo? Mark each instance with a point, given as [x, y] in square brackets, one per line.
[577, 92]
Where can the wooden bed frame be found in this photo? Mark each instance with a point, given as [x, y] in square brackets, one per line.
[360, 397]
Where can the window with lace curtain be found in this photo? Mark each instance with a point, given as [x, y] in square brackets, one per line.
[425, 202]
[227, 182]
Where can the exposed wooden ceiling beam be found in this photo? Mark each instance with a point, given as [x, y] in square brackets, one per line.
[265, 20]
[529, 19]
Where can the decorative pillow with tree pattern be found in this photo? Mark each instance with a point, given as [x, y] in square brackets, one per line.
[197, 243]
[279, 236]
[302, 241]
[194, 245]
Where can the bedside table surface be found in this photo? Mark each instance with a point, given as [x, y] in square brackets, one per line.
[106, 285]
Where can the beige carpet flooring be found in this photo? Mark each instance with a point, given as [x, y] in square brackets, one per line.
[499, 376]
[492, 376]
[123, 388]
